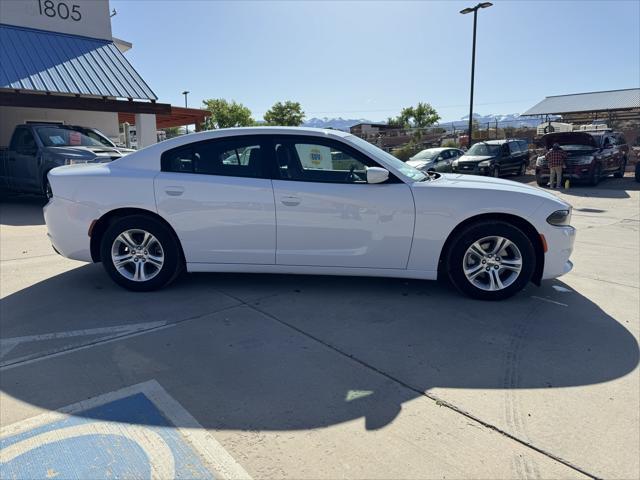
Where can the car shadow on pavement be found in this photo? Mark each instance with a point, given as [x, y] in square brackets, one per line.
[267, 352]
[21, 210]
[607, 188]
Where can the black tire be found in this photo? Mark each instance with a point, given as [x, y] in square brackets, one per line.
[638, 172]
[173, 262]
[596, 176]
[477, 231]
[541, 183]
[47, 188]
[495, 172]
[623, 167]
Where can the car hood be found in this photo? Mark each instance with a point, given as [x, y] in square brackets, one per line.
[489, 183]
[474, 158]
[96, 153]
[419, 163]
[569, 138]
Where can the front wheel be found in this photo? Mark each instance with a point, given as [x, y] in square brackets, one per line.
[623, 167]
[596, 176]
[491, 260]
[523, 170]
[495, 172]
[140, 253]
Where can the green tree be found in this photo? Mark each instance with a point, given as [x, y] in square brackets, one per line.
[421, 116]
[288, 114]
[173, 131]
[225, 114]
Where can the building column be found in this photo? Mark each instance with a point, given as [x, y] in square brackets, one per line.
[146, 129]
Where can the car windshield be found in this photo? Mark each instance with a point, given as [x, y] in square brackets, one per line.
[484, 149]
[426, 155]
[60, 136]
[95, 135]
[407, 170]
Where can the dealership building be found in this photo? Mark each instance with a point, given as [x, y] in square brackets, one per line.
[60, 63]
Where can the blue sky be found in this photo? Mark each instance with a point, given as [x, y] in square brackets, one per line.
[370, 59]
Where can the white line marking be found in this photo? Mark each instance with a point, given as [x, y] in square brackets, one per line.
[550, 301]
[36, 357]
[561, 289]
[212, 452]
[82, 333]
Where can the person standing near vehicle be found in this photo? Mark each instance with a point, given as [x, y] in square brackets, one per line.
[556, 159]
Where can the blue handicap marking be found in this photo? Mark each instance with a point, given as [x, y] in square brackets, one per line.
[124, 438]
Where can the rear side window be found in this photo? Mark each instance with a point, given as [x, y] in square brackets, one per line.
[23, 140]
[231, 158]
[514, 147]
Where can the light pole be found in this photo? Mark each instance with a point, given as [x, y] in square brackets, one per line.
[185, 93]
[473, 59]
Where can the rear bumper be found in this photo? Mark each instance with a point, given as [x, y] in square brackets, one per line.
[560, 241]
[68, 228]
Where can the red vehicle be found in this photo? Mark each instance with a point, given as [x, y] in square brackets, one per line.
[592, 155]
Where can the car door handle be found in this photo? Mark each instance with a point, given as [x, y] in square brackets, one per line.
[290, 201]
[174, 191]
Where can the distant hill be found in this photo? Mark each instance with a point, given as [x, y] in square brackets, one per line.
[337, 123]
[504, 120]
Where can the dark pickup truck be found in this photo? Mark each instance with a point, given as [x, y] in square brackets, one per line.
[37, 148]
[591, 155]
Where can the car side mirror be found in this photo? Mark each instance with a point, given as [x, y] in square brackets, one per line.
[377, 175]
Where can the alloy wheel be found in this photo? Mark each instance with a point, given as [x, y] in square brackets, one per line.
[492, 263]
[137, 255]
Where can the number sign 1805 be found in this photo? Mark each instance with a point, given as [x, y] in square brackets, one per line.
[60, 9]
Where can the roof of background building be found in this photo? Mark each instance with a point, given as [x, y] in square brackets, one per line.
[588, 102]
[39, 61]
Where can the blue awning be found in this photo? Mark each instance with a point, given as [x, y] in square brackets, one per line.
[39, 61]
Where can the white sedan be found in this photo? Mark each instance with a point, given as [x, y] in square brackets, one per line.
[303, 201]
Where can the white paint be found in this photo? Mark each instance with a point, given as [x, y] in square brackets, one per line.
[106, 122]
[212, 452]
[549, 301]
[320, 227]
[36, 357]
[558, 288]
[91, 18]
[146, 130]
[356, 394]
[159, 454]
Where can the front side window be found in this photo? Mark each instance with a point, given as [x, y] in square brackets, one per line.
[239, 158]
[314, 162]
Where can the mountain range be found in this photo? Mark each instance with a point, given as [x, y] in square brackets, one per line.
[504, 120]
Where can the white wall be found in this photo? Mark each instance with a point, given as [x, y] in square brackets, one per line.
[106, 122]
[89, 18]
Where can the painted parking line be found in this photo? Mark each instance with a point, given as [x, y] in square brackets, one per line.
[137, 432]
[84, 338]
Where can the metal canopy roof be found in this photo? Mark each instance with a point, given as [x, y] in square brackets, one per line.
[39, 61]
[588, 102]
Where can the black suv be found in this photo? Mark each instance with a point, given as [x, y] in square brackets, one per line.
[495, 158]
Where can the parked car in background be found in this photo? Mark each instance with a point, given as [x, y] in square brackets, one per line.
[37, 148]
[100, 137]
[494, 158]
[303, 201]
[592, 155]
[435, 159]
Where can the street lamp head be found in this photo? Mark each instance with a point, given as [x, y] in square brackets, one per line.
[185, 92]
[466, 10]
[485, 4]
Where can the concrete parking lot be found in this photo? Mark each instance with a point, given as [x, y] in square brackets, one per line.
[317, 377]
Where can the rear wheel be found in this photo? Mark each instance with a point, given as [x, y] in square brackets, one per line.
[491, 260]
[140, 253]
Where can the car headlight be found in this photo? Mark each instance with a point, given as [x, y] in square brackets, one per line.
[560, 218]
[540, 161]
[454, 163]
[585, 160]
[485, 163]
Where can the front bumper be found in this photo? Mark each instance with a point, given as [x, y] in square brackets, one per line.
[560, 241]
[68, 228]
[574, 172]
[470, 169]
